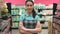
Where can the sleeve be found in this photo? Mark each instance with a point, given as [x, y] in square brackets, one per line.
[37, 18]
[21, 18]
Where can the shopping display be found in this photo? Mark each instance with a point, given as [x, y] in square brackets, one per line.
[48, 12]
[15, 24]
[15, 17]
[4, 18]
[41, 10]
[4, 26]
[56, 21]
[3, 9]
[14, 11]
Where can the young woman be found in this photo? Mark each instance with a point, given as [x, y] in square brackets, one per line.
[29, 22]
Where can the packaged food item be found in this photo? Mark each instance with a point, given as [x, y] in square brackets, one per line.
[13, 24]
[56, 31]
[5, 10]
[11, 12]
[4, 6]
[16, 24]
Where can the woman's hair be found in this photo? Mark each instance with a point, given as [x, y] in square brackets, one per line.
[29, 1]
[33, 11]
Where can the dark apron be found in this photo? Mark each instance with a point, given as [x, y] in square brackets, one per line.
[29, 24]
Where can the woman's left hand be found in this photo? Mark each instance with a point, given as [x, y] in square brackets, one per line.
[21, 27]
[23, 30]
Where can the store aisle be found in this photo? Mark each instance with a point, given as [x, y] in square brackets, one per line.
[15, 31]
[44, 31]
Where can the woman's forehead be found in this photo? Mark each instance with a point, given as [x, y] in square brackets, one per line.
[29, 3]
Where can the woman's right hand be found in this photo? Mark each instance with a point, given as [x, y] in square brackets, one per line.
[24, 32]
[21, 31]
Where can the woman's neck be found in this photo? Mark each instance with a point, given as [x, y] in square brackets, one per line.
[29, 12]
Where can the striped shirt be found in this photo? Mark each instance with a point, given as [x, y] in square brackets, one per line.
[29, 21]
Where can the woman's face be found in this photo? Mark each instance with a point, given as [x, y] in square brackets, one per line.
[29, 6]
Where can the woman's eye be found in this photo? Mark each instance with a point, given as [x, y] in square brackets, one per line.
[29, 5]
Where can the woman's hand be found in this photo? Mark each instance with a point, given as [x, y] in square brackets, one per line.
[36, 30]
[23, 30]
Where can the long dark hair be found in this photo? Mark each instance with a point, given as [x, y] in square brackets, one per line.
[33, 11]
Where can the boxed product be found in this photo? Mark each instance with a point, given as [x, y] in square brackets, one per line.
[14, 12]
[56, 31]
[15, 24]
[15, 18]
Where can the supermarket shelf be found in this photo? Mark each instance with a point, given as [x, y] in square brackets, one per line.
[15, 15]
[14, 9]
[14, 28]
[42, 21]
[56, 26]
[15, 21]
[57, 29]
[44, 27]
[0, 18]
[15, 18]
[45, 15]
[58, 23]
[47, 9]
[41, 9]
[3, 26]
[56, 17]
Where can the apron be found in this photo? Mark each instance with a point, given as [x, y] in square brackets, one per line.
[30, 24]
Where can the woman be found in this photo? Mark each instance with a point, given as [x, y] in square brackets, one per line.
[29, 22]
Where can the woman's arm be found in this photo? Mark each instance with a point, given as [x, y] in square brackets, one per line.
[36, 30]
[21, 27]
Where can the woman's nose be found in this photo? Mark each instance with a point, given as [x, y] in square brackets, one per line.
[29, 7]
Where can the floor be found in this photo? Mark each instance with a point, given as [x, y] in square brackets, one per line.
[16, 31]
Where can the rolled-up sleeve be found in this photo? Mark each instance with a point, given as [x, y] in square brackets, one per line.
[37, 18]
[21, 18]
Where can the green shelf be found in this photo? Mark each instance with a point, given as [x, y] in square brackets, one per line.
[14, 12]
[15, 18]
[15, 25]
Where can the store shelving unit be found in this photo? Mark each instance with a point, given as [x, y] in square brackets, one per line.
[42, 17]
[15, 18]
[15, 22]
[46, 19]
[4, 26]
[4, 18]
[46, 16]
[56, 20]
[56, 25]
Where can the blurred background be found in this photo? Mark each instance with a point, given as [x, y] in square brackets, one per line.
[10, 11]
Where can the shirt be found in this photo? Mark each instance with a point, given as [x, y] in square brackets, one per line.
[29, 17]
[28, 21]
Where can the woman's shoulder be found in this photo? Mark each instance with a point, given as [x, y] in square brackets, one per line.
[36, 16]
[22, 15]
